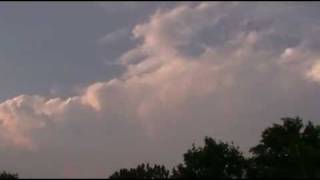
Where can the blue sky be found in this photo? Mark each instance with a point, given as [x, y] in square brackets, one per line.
[50, 45]
[94, 87]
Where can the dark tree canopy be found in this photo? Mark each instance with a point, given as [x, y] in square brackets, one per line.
[215, 159]
[7, 175]
[143, 171]
[291, 149]
[287, 150]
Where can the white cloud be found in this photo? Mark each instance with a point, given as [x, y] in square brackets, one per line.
[243, 77]
[314, 72]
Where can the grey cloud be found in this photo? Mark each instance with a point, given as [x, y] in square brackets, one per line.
[247, 73]
[114, 36]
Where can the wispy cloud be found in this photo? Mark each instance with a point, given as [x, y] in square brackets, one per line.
[246, 74]
[115, 36]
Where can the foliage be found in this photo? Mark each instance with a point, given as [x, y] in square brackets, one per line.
[215, 159]
[287, 150]
[143, 171]
[7, 175]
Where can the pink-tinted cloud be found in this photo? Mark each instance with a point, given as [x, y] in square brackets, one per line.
[240, 79]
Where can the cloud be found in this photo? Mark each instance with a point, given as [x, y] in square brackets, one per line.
[226, 70]
[114, 36]
[314, 72]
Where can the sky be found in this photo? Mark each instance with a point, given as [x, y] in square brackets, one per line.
[91, 87]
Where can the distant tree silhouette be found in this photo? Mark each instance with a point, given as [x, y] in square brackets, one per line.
[7, 175]
[287, 150]
[142, 171]
[214, 160]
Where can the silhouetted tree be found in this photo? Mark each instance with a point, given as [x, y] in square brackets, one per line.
[7, 175]
[215, 159]
[143, 171]
[287, 150]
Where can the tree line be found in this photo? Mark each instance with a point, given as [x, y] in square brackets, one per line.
[287, 150]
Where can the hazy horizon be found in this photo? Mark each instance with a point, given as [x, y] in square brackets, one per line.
[91, 87]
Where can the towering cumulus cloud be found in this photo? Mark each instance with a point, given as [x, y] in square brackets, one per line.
[220, 69]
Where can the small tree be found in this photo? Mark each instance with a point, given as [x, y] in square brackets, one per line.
[287, 150]
[7, 175]
[214, 160]
[143, 171]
